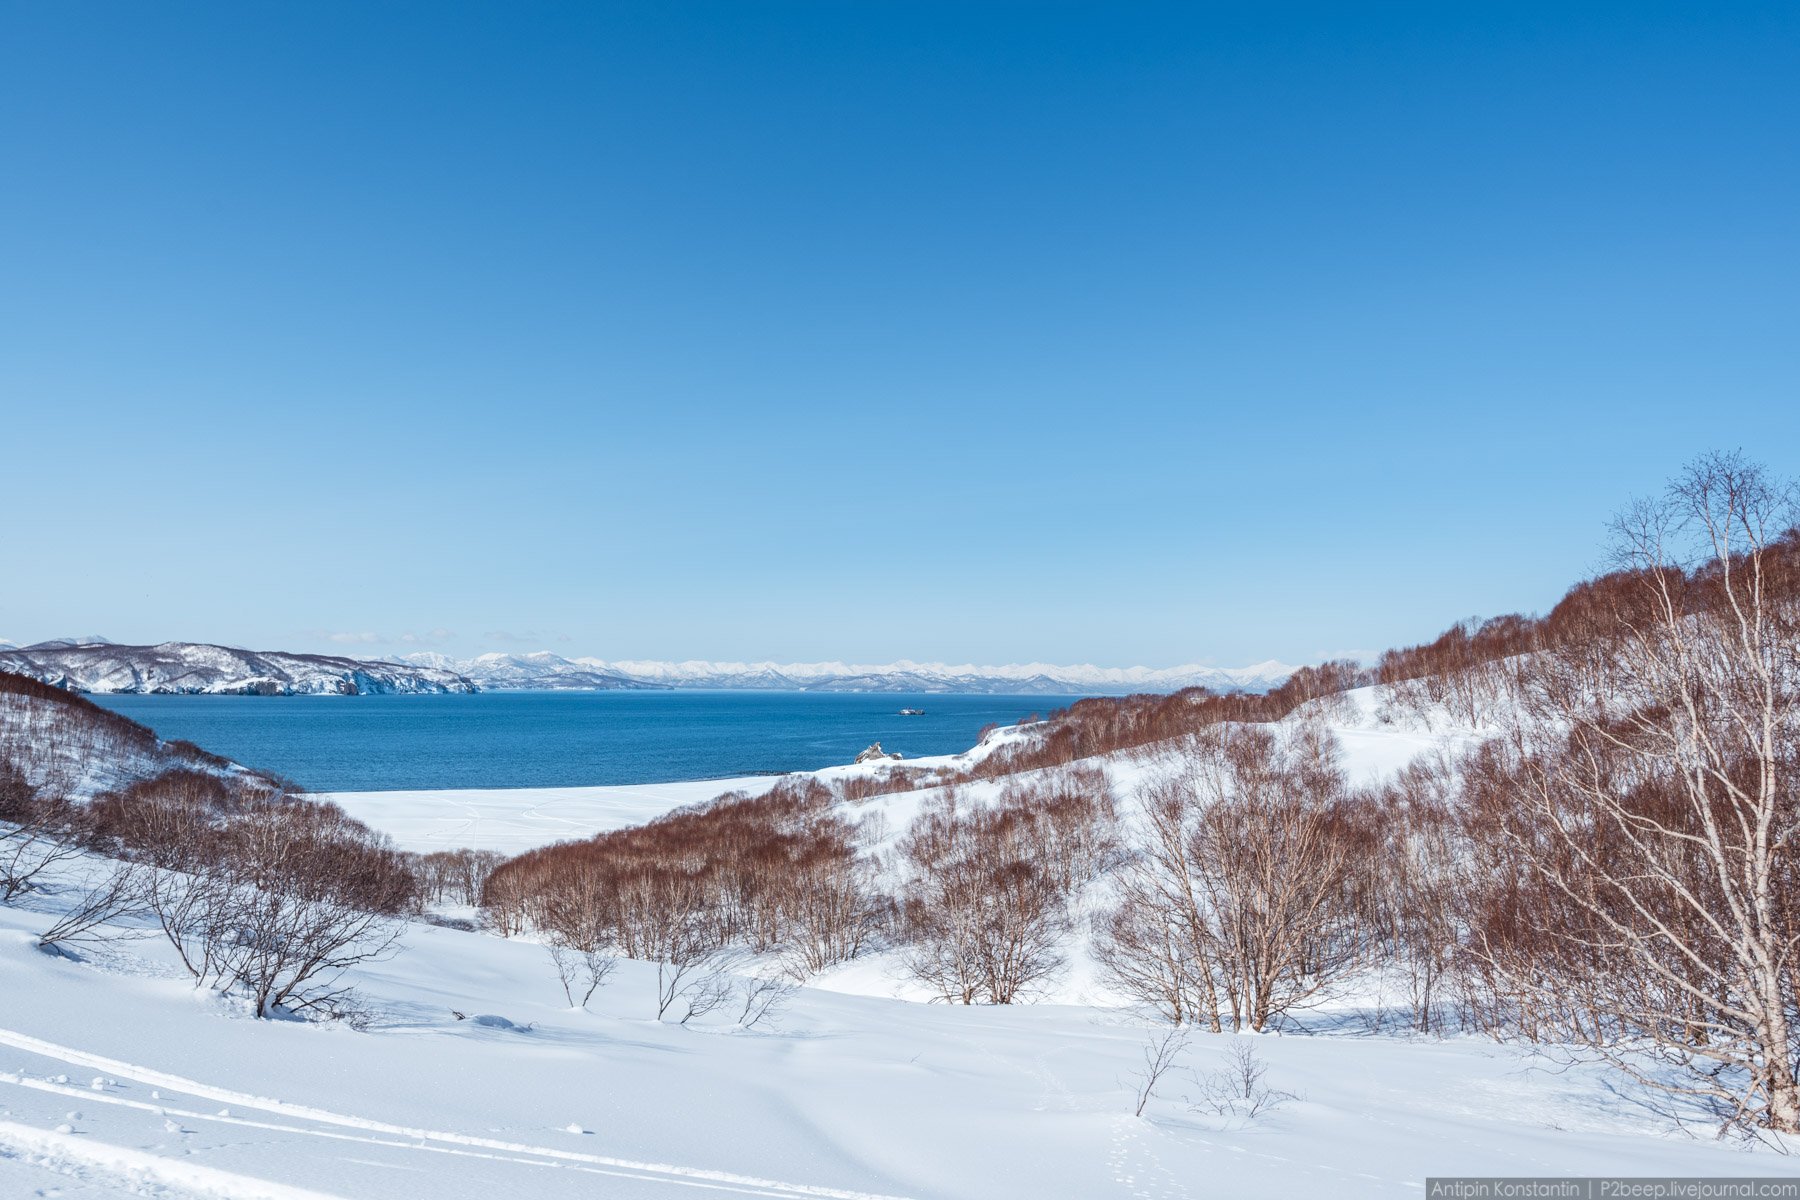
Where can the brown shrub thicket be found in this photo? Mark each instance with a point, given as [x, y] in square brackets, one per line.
[1247, 897]
[777, 872]
[255, 888]
[986, 902]
[455, 876]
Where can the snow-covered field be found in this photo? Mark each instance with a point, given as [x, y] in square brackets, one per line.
[118, 1077]
[516, 819]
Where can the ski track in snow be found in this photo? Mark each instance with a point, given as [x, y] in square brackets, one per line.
[137, 1172]
[61, 1147]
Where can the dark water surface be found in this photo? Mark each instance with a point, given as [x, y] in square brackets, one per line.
[563, 739]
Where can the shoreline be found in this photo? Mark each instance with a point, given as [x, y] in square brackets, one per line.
[513, 820]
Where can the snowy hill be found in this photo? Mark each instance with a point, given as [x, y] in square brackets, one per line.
[544, 670]
[194, 668]
[541, 671]
[75, 749]
[468, 1073]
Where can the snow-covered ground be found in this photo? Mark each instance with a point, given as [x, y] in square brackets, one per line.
[117, 1077]
[512, 820]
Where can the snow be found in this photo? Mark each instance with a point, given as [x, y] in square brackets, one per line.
[517, 819]
[849, 1096]
[117, 1076]
[198, 668]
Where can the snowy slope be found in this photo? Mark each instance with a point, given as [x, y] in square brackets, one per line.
[189, 667]
[76, 752]
[117, 1076]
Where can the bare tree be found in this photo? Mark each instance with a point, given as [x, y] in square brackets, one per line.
[280, 900]
[693, 977]
[1645, 806]
[581, 969]
[576, 914]
[1419, 881]
[762, 997]
[1241, 905]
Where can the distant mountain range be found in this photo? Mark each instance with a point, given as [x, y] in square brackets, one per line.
[96, 665]
[181, 668]
[546, 671]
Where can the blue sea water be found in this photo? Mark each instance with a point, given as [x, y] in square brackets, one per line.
[563, 739]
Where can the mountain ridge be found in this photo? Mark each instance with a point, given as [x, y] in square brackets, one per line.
[545, 670]
[201, 668]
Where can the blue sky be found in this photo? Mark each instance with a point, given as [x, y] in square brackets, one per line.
[996, 332]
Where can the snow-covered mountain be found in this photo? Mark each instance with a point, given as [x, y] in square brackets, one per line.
[541, 671]
[96, 665]
[188, 667]
[544, 671]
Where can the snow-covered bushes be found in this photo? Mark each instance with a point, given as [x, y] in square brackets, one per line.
[258, 890]
[455, 876]
[779, 873]
[986, 902]
[1243, 901]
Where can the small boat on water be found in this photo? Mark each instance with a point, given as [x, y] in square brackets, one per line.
[912, 712]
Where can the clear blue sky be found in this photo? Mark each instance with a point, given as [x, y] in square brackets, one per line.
[1113, 333]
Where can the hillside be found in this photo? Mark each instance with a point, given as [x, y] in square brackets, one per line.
[1517, 901]
[71, 748]
[185, 668]
[468, 1072]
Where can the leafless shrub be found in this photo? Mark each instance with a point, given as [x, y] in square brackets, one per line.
[118, 896]
[455, 876]
[580, 970]
[1159, 1054]
[694, 979]
[1419, 884]
[987, 903]
[777, 873]
[280, 900]
[762, 998]
[1238, 1089]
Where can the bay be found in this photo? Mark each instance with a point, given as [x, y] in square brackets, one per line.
[564, 739]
